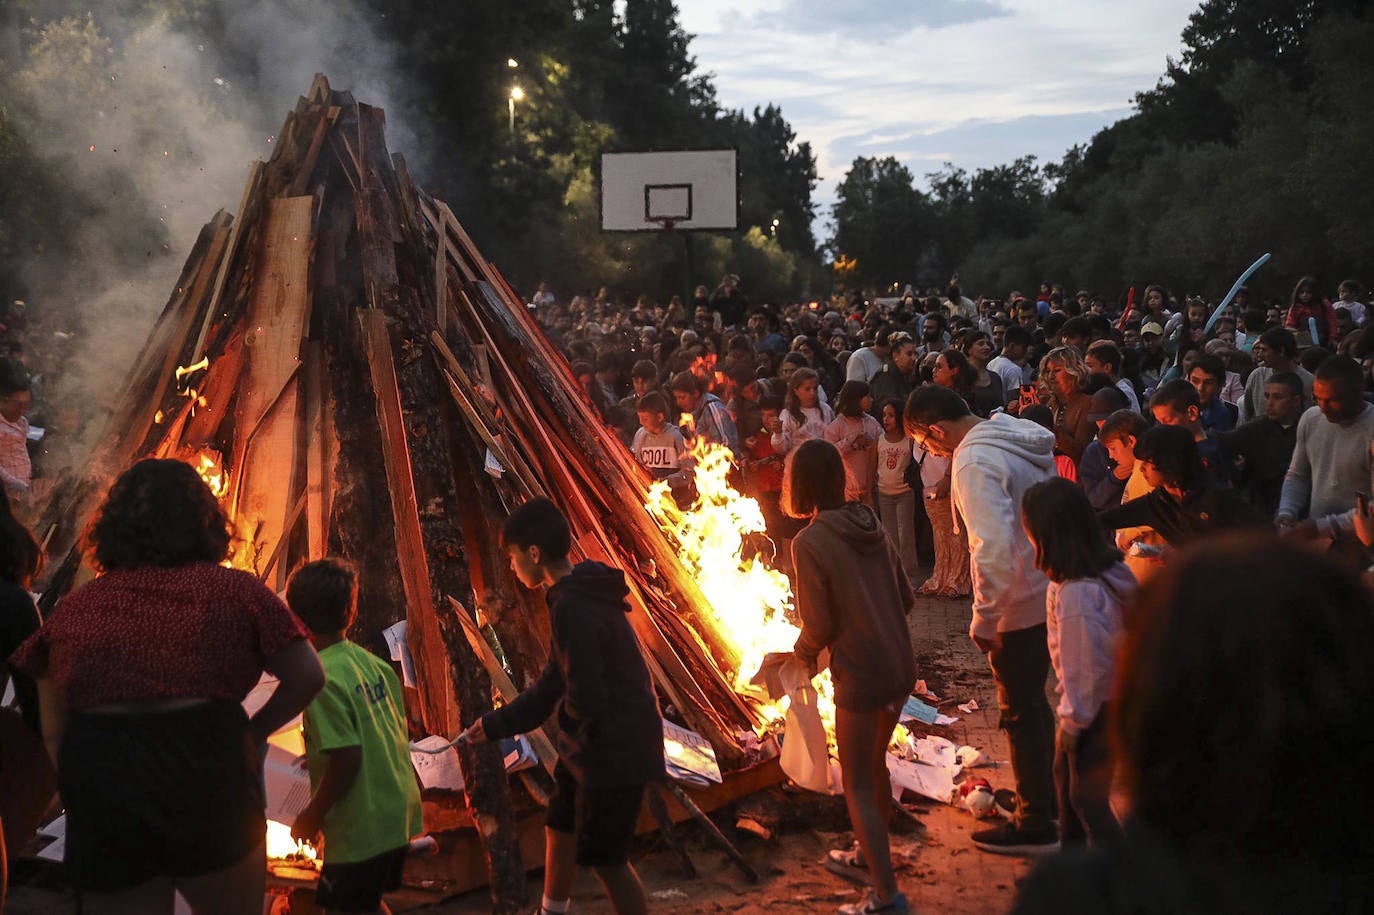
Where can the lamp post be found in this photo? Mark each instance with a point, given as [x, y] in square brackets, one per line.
[516, 94]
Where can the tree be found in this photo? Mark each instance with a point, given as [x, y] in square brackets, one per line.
[881, 220]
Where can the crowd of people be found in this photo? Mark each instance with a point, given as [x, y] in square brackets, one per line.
[1066, 452]
[1166, 508]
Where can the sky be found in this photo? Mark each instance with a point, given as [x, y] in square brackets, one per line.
[973, 82]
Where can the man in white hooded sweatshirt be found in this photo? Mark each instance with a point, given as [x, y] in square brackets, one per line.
[995, 461]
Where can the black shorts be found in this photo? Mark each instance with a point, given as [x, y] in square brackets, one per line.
[602, 819]
[358, 885]
[158, 794]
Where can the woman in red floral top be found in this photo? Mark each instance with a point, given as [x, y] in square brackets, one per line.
[140, 678]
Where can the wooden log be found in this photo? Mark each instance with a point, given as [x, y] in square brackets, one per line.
[246, 211]
[422, 632]
[321, 451]
[501, 680]
[265, 456]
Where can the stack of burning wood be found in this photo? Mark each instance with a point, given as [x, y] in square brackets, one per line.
[354, 378]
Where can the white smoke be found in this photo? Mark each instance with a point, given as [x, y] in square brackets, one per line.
[156, 123]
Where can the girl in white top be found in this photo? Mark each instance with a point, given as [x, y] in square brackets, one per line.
[897, 500]
[1089, 584]
[804, 415]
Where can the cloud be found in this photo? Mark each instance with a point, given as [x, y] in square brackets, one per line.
[869, 19]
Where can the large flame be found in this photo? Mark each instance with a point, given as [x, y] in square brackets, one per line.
[281, 846]
[748, 602]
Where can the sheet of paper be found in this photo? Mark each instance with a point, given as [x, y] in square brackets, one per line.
[934, 782]
[689, 751]
[436, 762]
[918, 710]
[288, 785]
[55, 850]
[288, 737]
[400, 651]
[493, 466]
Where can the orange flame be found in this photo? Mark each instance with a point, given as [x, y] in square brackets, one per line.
[281, 846]
[749, 603]
[211, 470]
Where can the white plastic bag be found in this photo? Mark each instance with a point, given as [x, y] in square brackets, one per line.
[805, 755]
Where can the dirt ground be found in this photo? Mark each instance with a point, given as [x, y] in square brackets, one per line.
[936, 865]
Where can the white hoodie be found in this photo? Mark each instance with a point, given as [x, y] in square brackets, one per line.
[998, 460]
[1083, 627]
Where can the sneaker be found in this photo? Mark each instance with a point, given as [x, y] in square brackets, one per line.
[1010, 839]
[1004, 800]
[897, 905]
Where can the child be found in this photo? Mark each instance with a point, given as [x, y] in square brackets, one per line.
[365, 798]
[853, 598]
[1176, 403]
[804, 416]
[896, 498]
[856, 433]
[610, 733]
[1088, 586]
[763, 470]
[657, 445]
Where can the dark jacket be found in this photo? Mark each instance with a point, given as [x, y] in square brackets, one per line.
[610, 729]
[890, 384]
[19, 619]
[1265, 450]
[854, 598]
[1097, 479]
[1201, 512]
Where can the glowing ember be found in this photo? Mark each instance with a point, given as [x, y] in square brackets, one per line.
[281, 846]
[207, 464]
[748, 601]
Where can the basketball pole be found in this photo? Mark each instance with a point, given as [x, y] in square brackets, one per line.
[688, 268]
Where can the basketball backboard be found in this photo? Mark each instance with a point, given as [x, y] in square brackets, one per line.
[684, 190]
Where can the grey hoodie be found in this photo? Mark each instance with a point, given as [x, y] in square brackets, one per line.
[994, 465]
[854, 598]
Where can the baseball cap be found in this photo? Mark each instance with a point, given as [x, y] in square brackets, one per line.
[1152, 328]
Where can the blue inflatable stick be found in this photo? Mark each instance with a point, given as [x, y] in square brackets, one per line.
[1232, 294]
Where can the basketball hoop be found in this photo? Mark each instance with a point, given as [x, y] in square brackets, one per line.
[675, 191]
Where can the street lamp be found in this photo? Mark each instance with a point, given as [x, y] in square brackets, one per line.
[512, 62]
[516, 94]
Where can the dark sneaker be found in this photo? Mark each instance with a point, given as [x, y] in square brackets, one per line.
[1010, 839]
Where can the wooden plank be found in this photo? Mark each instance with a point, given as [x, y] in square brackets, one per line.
[422, 631]
[265, 448]
[250, 191]
[501, 680]
[300, 184]
[321, 451]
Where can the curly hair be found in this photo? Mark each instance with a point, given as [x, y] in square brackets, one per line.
[158, 513]
[1072, 362]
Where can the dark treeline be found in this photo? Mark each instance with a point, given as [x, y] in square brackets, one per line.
[593, 78]
[1255, 140]
[1252, 141]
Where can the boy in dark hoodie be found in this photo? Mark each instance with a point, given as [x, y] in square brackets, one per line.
[610, 740]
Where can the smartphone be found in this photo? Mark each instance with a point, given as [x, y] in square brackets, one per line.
[1028, 395]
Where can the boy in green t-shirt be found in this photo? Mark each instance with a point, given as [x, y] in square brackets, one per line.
[364, 794]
